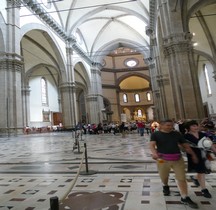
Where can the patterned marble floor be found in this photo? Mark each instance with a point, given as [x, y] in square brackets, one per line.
[36, 168]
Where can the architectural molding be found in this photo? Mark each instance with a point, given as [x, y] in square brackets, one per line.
[92, 97]
[125, 69]
[96, 65]
[178, 37]
[49, 20]
[152, 66]
[96, 71]
[14, 3]
[157, 93]
[134, 90]
[10, 56]
[69, 50]
[11, 65]
[152, 17]
[26, 90]
[67, 86]
[123, 77]
[163, 79]
[177, 47]
[95, 68]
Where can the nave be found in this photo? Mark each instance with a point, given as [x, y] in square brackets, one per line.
[37, 167]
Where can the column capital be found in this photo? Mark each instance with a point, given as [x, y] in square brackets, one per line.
[11, 65]
[69, 50]
[157, 94]
[25, 90]
[68, 86]
[95, 68]
[177, 47]
[178, 37]
[10, 56]
[14, 3]
[177, 43]
[162, 79]
[91, 97]
[96, 65]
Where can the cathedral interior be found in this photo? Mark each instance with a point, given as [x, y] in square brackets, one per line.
[65, 62]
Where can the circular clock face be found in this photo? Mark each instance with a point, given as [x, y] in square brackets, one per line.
[131, 62]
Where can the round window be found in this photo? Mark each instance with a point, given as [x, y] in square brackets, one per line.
[131, 62]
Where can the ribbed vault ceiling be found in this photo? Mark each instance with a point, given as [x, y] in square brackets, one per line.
[103, 25]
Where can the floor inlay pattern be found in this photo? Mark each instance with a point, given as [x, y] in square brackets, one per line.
[35, 168]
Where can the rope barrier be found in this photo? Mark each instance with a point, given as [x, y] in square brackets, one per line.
[54, 201]
[74, 181]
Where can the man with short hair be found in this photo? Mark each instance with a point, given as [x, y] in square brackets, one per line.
[165, 147]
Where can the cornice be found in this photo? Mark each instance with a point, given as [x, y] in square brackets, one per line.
[146, 68]
[49, 20]
[163, 79]
[150, 29]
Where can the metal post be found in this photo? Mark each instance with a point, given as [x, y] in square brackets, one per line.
[87, 172]
[54, 203]
[78, 146]
[86, 158]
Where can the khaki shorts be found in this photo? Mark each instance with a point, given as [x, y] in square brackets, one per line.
[164, 168]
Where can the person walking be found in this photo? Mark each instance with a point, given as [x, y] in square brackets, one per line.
[141, 127]
[164, 146]
[193, 135]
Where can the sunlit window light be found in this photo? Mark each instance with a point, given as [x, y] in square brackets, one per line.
[207, 80]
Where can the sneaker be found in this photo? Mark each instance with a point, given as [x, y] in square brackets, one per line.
[195, 181]
[166, 190]
[206, 193]
[189, 202]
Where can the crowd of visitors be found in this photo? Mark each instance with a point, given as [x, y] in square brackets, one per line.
[140, 126]
[167, 145]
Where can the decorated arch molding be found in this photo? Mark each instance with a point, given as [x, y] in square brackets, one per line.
[125, 76]
[109, 47]
[50, 39]
[46, 67]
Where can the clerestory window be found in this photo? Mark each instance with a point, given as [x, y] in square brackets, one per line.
[208, 86]
[137, 97]
[44, 96]
[125, 98]
[148, 96]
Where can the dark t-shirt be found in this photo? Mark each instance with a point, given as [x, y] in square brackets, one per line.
[167, 143]
[200, 166]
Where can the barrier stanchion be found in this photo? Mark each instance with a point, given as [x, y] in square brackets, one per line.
[54, 203]
[87, 172]
[76, 143]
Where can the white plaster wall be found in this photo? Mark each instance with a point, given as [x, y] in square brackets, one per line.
[3, 5]
[209, 99]
[30, 22]
[36, 108]
[2, 42]
[203, 45]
